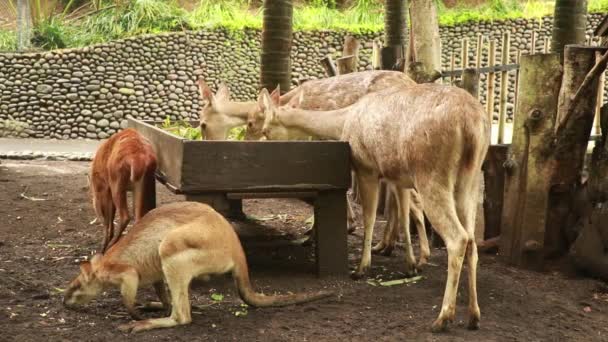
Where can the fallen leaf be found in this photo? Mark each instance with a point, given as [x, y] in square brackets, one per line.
[218, 297]
[400, 281]
[587, 309]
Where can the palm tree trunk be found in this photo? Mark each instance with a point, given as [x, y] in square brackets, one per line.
[275, 64]
[395, 22]
[569, 24]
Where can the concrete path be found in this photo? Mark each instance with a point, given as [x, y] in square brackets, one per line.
[47, 149]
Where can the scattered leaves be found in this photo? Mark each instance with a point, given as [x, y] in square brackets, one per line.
[218, 297]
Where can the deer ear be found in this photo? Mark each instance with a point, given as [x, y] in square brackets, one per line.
[300, 100]
[223, 92]
[275, 96]
[264, 101]
[206, 93]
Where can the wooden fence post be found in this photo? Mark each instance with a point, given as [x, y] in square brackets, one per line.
[504, 89]
[491, 77]
[600, 99]
[464, 54]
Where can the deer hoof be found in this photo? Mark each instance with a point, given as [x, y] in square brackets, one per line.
[473, 323]
[440, 325]
[359, 274]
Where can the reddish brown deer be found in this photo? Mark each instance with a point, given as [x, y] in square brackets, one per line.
[125, 162]
[174, 243]
[429, 137]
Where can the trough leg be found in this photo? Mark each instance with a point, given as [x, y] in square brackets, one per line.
[331, 233]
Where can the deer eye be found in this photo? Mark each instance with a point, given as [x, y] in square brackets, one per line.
[203, 125]
[250, 124]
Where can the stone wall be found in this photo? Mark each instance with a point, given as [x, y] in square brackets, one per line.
[89, 92]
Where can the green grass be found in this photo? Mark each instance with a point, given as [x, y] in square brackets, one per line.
[8, 40]
[134, 17]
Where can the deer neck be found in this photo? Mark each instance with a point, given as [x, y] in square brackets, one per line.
[237, 110]
[322, 124]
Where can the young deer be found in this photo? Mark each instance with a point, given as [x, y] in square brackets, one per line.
[125, 162]
[429, 137]
[174, 243]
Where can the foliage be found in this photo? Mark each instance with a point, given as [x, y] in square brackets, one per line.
[8, 40]
[182, 129]
[49, 34]
[113, 19]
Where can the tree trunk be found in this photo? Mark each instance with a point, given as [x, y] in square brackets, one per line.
[275, 63]
[395, 32]
[425, 34]
[527, 175]
[569, 24]
[545, 161]
[24, 25]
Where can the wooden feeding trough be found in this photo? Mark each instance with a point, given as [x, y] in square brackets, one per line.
[222, 173]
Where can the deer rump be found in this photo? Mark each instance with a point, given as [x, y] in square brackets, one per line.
[125, 162]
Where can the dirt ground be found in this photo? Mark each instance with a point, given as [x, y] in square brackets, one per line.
[44, 228]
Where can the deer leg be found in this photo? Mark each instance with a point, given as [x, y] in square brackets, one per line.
[467, 195]
[119, 196]
[178, 282]
[128, 290]
[417, 215]
[403, 203]
[441, 210]
[350, 216]
[387, 244]
[368, 187]
[108, 211]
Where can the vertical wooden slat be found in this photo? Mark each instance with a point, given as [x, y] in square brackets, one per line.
[533, 43]
[452, 66]
[546, 45]
[479, 51]
[517, 61]
[464, 54]
[491, 77]
[504, 89]
[600, 99]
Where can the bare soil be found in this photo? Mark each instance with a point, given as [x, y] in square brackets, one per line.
[44, 228]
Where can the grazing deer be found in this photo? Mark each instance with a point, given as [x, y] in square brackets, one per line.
[302, 100]
[174, 244]
[125, 162]
[429, 137]
[219, 114]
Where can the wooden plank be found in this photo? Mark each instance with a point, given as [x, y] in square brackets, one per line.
[329, 66]
[479, 52]
[452, 66]
[494, 186]
[464, 53]
[290, 194]
[331, 233]
[600, 98]
[243, 166]
[376, 55]
[522, 228]
[504, 90]
[484, 70]
[490, 87]
[533, 43]
[169, 151]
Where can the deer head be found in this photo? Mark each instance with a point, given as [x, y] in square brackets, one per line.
[214, 123]
[86, 286]
[268, 117]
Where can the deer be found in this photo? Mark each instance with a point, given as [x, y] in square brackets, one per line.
[125, 162]
[428, 137]
[174, 243]
[219, 114]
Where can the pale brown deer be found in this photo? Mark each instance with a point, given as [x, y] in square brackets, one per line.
[429, 137]
[125, 162]
[174, 244]
[219, 114]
